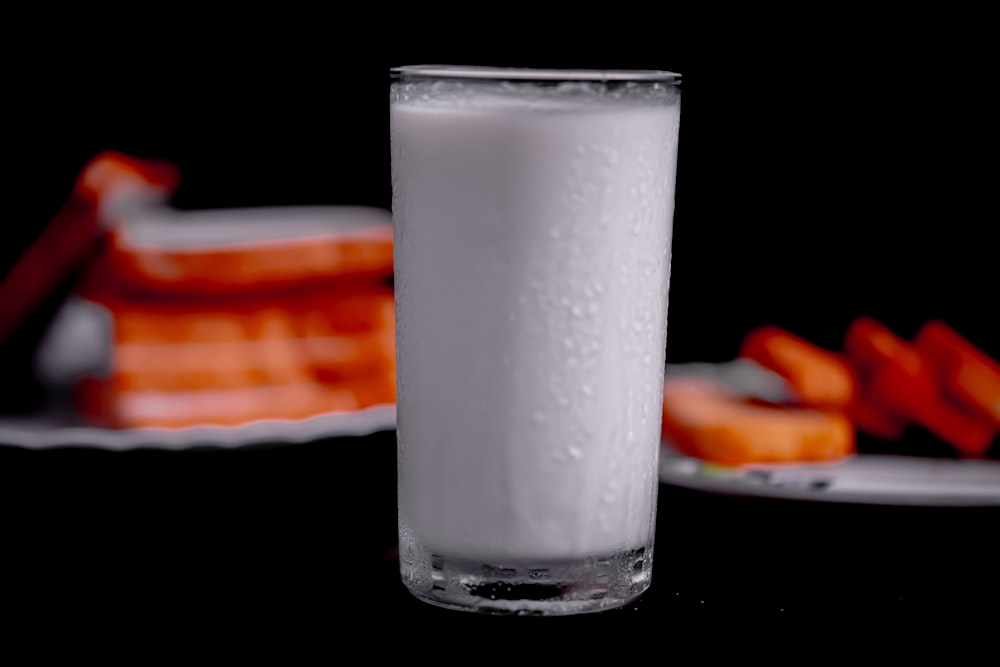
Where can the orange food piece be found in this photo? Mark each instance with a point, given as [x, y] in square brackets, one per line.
[107, 403]
[911, 399]
[869, 344]
[968, 374]
[902, 384]
[334, 358]
[253, 267]
[977, 387]
[703, 420]
[323, 311]
[821, 378]
[897, 378]
[69, 240]
[320, 308]
[225, 319]
[181, 363]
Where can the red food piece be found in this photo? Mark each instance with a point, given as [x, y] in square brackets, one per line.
[71, 237]
[901, 383]
[362, 255]
[871, 418]
[822, 379]
[183, 363]
[968, 375]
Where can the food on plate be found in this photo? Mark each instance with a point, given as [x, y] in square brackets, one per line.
[225, 317]
[107, 403]
[820, 378]
[968, 375]
[901, 382]
[110, 183]
[249, 251]
[880, 385]
[211, 347]
[178, 363]
[702, 419]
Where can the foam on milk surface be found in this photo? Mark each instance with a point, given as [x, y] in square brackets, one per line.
[531, 427]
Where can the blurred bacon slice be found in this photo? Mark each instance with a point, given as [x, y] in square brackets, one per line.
[233, 252]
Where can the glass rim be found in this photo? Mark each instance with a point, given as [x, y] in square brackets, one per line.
[529, 74]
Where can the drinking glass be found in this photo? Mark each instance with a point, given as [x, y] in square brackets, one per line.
[532, 216]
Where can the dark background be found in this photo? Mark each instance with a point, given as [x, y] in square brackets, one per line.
[831, 166]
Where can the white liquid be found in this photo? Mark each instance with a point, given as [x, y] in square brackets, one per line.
[532, 243]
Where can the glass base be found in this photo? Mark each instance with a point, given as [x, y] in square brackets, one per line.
[561, 588]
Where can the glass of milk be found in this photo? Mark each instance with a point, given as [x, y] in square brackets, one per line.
[532, 219]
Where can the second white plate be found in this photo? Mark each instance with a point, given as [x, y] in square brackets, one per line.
[863, 478]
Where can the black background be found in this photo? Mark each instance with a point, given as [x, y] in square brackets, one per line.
[831, 166]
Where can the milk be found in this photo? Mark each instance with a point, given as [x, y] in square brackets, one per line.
[532, 258]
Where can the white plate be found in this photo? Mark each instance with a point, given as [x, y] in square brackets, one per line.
[863, 478]
[77, 343]
[53, 430]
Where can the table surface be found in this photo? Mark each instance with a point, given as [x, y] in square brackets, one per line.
[297, 534]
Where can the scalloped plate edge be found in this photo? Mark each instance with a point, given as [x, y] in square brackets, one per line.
[38, 434]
